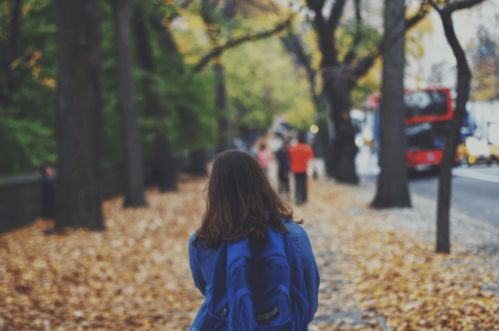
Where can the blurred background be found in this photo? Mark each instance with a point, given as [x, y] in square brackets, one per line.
[124, 103]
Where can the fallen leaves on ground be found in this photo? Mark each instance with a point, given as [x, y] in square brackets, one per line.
[396, 276]
[135, 275]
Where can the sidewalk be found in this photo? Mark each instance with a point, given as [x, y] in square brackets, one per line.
[380, 272]
[378, 269]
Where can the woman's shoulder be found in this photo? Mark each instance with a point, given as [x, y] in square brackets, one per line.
[194, 243]
[198, 245]
[295, 230]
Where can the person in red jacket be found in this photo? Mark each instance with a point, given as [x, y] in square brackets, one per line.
[299, 156]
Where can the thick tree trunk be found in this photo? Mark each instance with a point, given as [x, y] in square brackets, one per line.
[197, 158]
[463, 92]
[134, 182]
[78, 114]
[325, 135]
[164, 167]
[198, 162]
[344, 149]
[337, 86]
[392, 190]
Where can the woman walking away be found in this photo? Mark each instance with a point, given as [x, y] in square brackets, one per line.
[251, 261]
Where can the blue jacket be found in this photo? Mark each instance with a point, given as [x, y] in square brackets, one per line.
[202, 261]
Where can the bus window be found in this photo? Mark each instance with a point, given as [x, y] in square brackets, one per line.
[425, 103]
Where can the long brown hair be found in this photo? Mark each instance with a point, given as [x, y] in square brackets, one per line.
[241, 202]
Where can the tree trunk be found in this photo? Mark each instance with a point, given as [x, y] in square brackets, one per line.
[198, 162]
[78, 114]
[164, 167]
[221, 106]
[343, 148]
[337, 86]
[197, 158]
[392, 190]
[463, 92]
[134, 182]
[11, 50]
[325, 135]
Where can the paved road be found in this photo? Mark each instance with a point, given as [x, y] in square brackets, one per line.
[475, 191]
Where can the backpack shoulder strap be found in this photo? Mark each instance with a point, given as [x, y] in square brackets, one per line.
[237, 251]
[219, 289]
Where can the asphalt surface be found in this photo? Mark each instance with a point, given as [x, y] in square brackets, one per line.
[475, 191]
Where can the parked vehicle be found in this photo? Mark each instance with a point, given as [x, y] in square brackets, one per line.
[494, 153]
[475, 151]
[429, 113]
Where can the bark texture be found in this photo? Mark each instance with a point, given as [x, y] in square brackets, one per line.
[78, 114]
[198, 162]
[463, 91]
[134, 177]
[164, 167]
[198, 159]
[392, 190]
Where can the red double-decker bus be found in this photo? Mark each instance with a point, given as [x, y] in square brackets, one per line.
[428, 116]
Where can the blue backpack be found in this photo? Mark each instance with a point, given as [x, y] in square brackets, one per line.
[257, 288]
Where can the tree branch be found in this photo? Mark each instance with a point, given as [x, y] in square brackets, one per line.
[450, 34]
[335, 15]
[352, 52]
[218, 50]
[363, 65]
[294, 45]
[167, 36]
[316, 5]
[458, 5]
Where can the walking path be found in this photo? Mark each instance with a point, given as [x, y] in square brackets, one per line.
[378, 268]
[389, 275]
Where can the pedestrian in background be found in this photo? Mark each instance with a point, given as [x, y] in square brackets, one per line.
[300, 154]
[48, 192]
[283, 169]
[263, 157]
